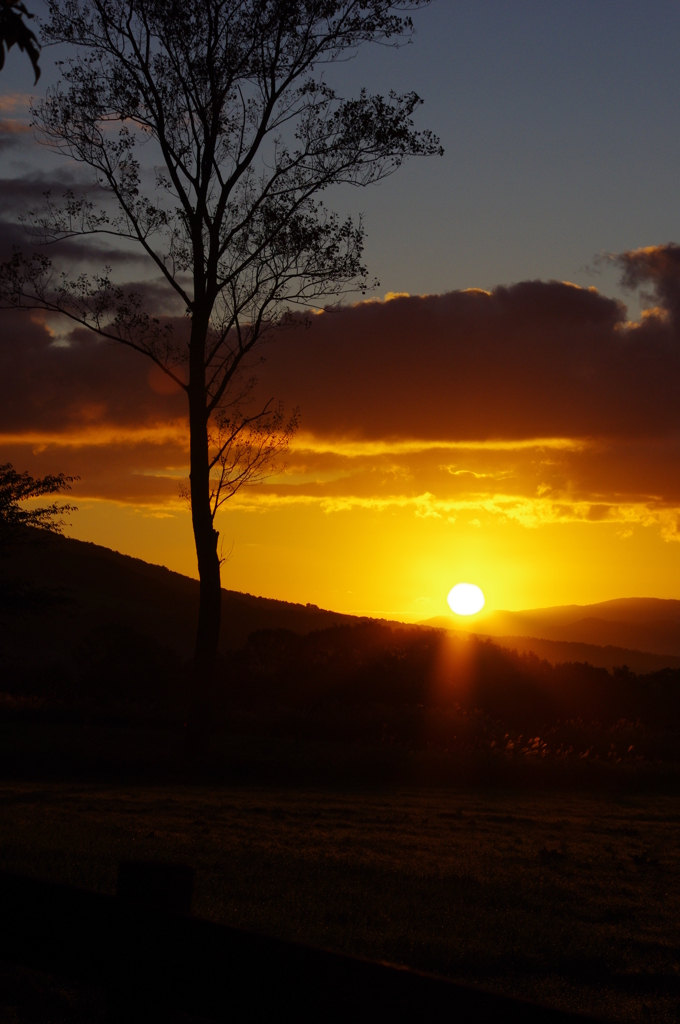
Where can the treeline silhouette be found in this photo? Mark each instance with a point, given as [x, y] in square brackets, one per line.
[374, 684]
[374, 664]
[113, 670]
[422, 688]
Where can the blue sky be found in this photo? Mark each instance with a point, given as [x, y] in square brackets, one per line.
[561, 128]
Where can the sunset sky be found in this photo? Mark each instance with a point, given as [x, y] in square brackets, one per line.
[503, 410]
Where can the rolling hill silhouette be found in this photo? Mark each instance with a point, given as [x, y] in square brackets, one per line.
[80, 595]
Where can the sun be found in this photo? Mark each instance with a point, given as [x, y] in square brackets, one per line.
[465, 599]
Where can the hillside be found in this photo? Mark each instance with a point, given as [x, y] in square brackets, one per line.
[80, 595]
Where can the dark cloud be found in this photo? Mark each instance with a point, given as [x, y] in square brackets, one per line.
[74, 255]
[537, 359]
[533, 360]
[145, 472]
[657, 268]
[18, 195]
[87, 385]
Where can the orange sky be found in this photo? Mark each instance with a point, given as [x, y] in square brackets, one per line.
[525, 440]
[392, 561]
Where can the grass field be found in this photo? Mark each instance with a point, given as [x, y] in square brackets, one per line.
[569, 900]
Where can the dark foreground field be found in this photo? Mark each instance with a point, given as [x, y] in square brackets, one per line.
[389, 791]
[569, 900]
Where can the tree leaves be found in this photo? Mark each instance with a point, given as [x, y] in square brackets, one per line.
[13, 30]
[19, 487]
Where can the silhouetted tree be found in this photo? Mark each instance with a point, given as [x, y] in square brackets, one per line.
[13, 29]
[16, 488]
[246, 133]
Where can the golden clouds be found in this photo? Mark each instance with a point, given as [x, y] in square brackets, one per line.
[532, 483]
[306, 442]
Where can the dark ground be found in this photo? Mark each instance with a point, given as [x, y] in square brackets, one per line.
[572, 900]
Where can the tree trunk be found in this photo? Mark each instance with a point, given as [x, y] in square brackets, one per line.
[210, 606]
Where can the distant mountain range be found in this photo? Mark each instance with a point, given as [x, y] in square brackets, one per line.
[624, 631]
[560, 651]
[79, 591]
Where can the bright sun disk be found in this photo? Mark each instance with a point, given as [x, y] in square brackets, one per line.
[465, 599]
